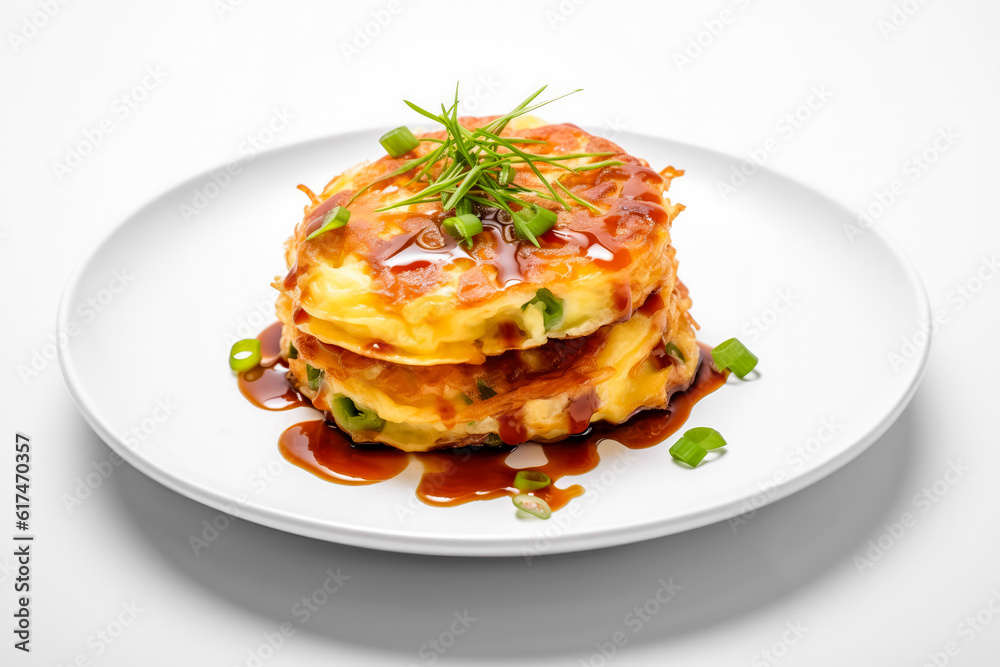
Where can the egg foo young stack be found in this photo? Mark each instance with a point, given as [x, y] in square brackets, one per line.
[525, 313]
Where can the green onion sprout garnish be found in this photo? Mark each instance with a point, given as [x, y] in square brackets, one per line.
[354, 418]
[551, 306]
[399, 142]
[531, 480]
[315, 376]
[463, 227]
[695, 443]
[533, 505]
[292, 352]
[485, 391]
[732, 354]
[479, 165]
[337, 217]
[244, 355]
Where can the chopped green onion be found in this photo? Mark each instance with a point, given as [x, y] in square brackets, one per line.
[732, 354]
[336, 218]
[465, 398]
[463, 227]
[244, 355]
[314, 375]
[675, 352]
[532, 223]
[507, 174]
[463, 207]
[704, 437]
[399, 141]
[551, 307]
[292, 352]
[695, 443]
[493, 440]
[352, 418]
[484, 390]
[688, 452]
[533, 505]
[531, 480]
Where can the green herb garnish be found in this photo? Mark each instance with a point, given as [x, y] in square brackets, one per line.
[551, 307]
[477, 166]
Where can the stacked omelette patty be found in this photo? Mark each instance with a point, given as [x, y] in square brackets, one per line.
[408, 337]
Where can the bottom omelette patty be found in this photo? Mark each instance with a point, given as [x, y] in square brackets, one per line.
[545, 393]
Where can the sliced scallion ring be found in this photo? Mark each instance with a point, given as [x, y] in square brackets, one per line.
[531, 480]
[732, 354]
[688, 452]
[244, 355]
[533, 505]
[529, 224]
[704, 437]
[399, 142]
[335, 218]
[463, 227]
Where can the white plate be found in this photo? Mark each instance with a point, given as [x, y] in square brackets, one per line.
[149, 316]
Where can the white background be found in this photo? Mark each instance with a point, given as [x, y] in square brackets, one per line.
[224, 72]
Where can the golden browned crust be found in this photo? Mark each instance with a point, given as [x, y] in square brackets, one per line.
[406, 256]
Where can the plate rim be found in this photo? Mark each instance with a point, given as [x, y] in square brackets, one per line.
[445, 544]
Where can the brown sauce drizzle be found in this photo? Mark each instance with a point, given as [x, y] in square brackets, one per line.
[267, 385]
[460, 475]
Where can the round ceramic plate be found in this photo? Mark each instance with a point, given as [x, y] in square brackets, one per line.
[149, 316]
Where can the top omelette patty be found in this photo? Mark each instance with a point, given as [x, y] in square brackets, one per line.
[393, 285]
